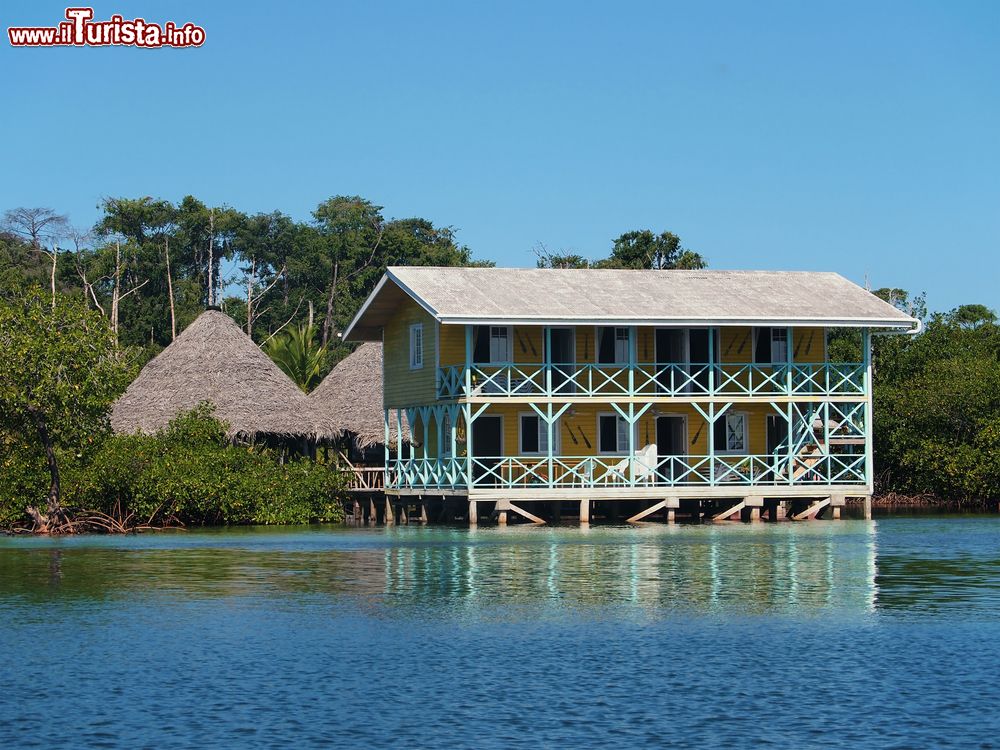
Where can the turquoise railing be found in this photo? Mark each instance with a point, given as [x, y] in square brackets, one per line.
[587, 472]
[745, 379]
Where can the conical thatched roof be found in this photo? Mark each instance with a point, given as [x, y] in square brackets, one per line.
[350, 398]
[213, 360]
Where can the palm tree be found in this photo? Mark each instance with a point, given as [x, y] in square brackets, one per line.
[298, 355]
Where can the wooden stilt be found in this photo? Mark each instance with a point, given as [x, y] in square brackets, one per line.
[724, 515]
[813, 510]
[755, 504]
[670, 503]
[522, 512]
[836, 503]
[372, 512]
[403, 517]
[389, 518]
[671, 515]
[356, 512]
[585, 511]
[868, 507]
[502, 517]
[473, 514]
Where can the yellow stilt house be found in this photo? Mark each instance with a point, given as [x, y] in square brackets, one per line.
[651, 391]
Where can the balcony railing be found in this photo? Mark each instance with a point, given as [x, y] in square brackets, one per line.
[590, 472]
[509, 380]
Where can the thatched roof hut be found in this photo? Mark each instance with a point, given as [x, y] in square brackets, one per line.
[214, 360]
[350, 398]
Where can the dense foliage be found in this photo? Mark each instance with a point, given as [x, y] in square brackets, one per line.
[190, 472]
[60, 370]
[937, 408]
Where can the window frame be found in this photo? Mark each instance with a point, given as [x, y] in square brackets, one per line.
[416, 329]
[622, 450]
[628, 345]
[726, 451]
[542, 431]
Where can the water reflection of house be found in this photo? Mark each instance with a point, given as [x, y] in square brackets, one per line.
[783, 569]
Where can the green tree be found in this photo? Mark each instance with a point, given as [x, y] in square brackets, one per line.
[298, 355]
[60, 370]
[642, 249]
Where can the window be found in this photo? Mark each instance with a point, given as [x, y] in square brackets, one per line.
[416, 346]
[730, 433]
[612, 434]
[492, 345]
[779, 345]
[612, 346]
[771, 346]
[446, 436]
[535, 435]
[499, 344]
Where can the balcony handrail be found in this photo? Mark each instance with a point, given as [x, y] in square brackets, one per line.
[590, 472]
[653, 379]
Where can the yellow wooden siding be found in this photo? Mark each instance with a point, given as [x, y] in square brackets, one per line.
[809, 345]
[578, 428]
[452, 345]
[403, 386]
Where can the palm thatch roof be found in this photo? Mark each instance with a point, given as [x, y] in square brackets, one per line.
[214, 360]
[350, 398]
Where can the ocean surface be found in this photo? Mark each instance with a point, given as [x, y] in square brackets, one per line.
[850, 634]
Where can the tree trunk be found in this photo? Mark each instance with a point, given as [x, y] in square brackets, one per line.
[170, 292]
[55, 258]
[54, 512]
[328, 320]
[116, 289]
[211, 257]
[250, 278]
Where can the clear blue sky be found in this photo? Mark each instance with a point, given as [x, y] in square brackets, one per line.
[860, 137]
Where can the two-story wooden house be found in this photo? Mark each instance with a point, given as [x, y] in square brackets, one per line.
[707, 392]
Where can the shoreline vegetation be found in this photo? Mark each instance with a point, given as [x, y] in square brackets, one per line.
[82, 309]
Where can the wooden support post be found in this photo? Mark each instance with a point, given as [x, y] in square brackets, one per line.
[868, 507]
[671, 515]
[372, 512]
[779, 511]
[585, 511]
[812, 511]
[754, 503]
[423, 511]
[403, 517]
[473, 514]
[726, 514]
[389, 519]
[356, 512]
[502, 517]
[670, 503]
[836, 503]
[521, 511]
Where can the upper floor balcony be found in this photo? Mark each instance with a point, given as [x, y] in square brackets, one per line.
[652, 380]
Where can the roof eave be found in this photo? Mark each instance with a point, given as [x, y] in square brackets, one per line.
[908, 323]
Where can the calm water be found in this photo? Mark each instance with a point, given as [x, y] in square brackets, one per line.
[849, 634]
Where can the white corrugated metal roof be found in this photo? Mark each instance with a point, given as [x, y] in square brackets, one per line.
[594, 296]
